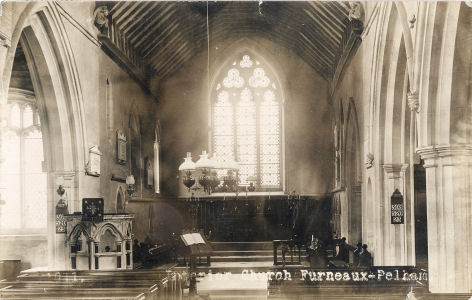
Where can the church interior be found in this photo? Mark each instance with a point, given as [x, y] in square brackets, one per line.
[236, 149]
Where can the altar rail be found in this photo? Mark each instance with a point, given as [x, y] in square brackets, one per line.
[290, 252]
[261, 218]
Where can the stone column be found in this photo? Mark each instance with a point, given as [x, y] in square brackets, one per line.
[397, 244]
[449, 202]
[123, 254]
[93, 246]
[58, 259]
[355, 215]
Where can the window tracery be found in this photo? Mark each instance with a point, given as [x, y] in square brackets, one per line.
[26, 193]
[246, 120]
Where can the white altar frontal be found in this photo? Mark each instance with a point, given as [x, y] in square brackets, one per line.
[104, 245]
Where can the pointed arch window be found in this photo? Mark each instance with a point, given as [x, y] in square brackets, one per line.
[26, 189]
[247, 121]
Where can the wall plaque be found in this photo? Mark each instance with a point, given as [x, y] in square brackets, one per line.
[121, 147]
[149, 173]
[93, 166]
[397, 209]
[61, 210]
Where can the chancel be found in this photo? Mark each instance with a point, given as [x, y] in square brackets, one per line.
[233, 149]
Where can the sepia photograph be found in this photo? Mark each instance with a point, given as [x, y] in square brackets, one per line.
[258, 150]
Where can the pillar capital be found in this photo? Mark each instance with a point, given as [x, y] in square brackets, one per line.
[394, 170]
[451, 154]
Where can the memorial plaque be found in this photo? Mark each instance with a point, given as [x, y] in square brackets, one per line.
[120, 147]
[61, 210]
[397, 209]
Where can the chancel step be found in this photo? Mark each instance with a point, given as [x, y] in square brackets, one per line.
[242, 258]
[241, 246]
[242, 253]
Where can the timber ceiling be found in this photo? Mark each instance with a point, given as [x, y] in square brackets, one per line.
[168, 34]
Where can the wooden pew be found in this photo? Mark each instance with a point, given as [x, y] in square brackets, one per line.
[116, 284]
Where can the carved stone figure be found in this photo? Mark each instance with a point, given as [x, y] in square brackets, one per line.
[356, 12]
[100, 19]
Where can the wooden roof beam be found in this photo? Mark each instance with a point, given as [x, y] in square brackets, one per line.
[326, 27]
[139, 28]
[171, 41]
[335, 20]
[329, 61]
[146, 32]
[165, 61]
[156, 41]
[327, 44]
[177, 63]
[137, 16]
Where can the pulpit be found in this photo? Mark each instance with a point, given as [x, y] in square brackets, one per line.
[99, 244]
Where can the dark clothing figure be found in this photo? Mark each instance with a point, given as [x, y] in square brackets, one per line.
[365, 258]
[356, 253]
[343, 251]
[284, 252]
[317, 254]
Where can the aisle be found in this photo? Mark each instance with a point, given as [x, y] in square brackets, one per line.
[231, 286]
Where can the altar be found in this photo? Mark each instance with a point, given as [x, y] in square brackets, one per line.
[105, 244]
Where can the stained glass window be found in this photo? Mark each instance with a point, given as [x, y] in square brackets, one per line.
[26, 187]
[246, 120]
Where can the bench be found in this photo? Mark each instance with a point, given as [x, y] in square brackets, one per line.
[9, 268]
[119, 284]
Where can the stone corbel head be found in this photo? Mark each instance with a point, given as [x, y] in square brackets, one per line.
[356, 12]
[100, 19]
[369, 160]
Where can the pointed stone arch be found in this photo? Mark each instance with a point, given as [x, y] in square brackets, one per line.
[76, 231]
[55, 78]
[107, 226]
[120, 200]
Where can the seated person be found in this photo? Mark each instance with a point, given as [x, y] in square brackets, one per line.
[343, 251]
[365, 258]
[356, 253]
[317, 254]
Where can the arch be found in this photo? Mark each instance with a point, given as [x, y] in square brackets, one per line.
[107, 226]
[76, 231]
[395, 244]
[461, 95]
[57, 87]
[400, 6]
[43, 20]
[239, 46]
[352, 174]
[397, 113]
[255, 61]
[135, 155]
[120, 200]
[352, 144]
